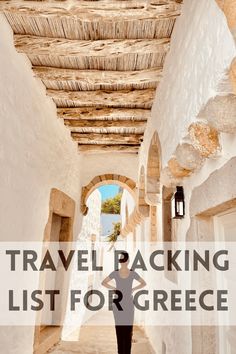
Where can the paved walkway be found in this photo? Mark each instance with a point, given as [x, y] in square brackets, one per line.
[100, 340]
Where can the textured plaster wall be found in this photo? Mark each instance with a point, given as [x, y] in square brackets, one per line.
[202, 48]
[36, 151]
[36, 154]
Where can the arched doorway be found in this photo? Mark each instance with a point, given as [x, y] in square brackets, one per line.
[153, 188]
[97, 181]
[153, 172]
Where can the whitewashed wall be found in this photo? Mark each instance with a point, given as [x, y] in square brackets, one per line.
[36, 154]
[202, 49]
[117, 163]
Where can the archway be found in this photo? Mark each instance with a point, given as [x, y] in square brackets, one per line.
[98, 181]
[153, 190]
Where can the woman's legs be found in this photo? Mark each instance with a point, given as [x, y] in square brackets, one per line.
[119, 337]
[124, 332]
[124, 339]
[128, 331]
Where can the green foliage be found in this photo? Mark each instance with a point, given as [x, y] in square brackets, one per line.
[112, 205]
[116, 232]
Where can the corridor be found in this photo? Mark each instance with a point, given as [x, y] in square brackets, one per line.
[138, 96]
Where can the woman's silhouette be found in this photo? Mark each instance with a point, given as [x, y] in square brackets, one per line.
[124, 316]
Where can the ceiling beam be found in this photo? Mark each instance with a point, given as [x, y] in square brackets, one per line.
[101, 113]
[74, 48]
[111, 54]
[109, 138]
[108, 148]
[83, 123]
[97, 22]
[89, 80]
[124, 98]
[87, 9]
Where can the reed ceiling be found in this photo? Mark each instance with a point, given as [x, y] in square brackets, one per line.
[101, 62]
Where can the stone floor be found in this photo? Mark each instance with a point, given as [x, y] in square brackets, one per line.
[100, 339]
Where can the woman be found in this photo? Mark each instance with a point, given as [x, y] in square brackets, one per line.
[124, 318]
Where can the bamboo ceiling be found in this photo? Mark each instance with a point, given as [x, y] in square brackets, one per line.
[101, 62]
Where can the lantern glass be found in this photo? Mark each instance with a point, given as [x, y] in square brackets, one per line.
[173, 207]
[177, 204]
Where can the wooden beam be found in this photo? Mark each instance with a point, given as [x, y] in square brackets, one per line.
[108, 148]
[101, 113]
[84, 123]
[92, 23]
[124, 98]
[109, 138]
[111, 54]
[101, 9]
[74, 48]
[90, 80]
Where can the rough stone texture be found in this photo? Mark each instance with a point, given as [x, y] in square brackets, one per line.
[188, 157]
[220, 112]
[177, 170]
[204, 138]
[167, 179]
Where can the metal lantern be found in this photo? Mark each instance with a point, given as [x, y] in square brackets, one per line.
[178, 204]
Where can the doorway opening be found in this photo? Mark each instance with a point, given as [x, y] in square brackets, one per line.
[58, 229]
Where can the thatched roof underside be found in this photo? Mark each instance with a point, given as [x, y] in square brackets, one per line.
[101, 62]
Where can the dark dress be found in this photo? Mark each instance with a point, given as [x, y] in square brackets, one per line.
[124, 318]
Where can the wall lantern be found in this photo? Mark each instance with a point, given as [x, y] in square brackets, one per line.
[178, 204]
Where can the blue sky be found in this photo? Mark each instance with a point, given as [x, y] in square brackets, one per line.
[108, 191]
